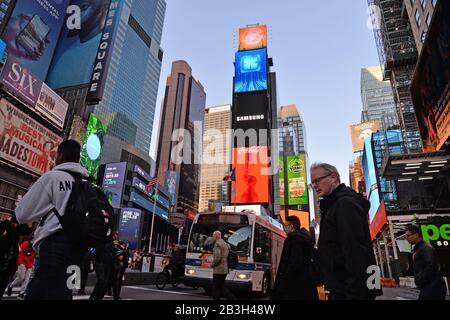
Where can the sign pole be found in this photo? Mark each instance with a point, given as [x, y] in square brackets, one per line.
[153, 220]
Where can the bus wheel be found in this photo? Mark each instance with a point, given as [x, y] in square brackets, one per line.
[265, 288]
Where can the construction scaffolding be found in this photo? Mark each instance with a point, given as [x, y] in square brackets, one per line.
[398, 55]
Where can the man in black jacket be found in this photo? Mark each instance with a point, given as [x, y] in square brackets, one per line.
[426, 268]
[293, 281]
[345, 247]
[9, 251]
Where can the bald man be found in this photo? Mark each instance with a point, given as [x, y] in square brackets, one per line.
[220, 267]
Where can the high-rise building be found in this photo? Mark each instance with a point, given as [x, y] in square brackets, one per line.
[397, 51]
[182, 115]
[216, 150]
[6, 7]
[377, 98]
[119, 77]
[291, 131]
[420, 14]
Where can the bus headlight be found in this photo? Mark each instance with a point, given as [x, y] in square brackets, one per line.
[190, 271]
[243, 276]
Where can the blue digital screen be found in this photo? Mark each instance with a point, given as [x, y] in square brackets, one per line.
[372, 190]
[130, 222]
[251, 71]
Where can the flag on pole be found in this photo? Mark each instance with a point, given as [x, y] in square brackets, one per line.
[231, 176]
[153, 182]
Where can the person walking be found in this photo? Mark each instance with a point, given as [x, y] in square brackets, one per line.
[104, 261]
[56, 250]
[25, 264]
[220, 267]
[293, 280]
[9, 251]
[426, 267]
[345, 248]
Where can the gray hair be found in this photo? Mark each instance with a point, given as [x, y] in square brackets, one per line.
[327, 167]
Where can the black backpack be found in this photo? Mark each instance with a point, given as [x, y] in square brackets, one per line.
[88, 218]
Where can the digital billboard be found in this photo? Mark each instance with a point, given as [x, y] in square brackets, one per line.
[148, 205]
[171, 185]
[75, 46]
[252, 179]
[91, 153]
[361, 131]
[253, 38]
[250, 71]
[113, 181]
[297, 181]
[281, 179]
[129, 227]
[32, 33]
[430, 86]
[372, 190]
[25, 142]
[142, 172]
[138, 184]
[250, 111]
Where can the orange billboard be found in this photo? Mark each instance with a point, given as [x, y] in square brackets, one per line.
[252, 179]
[253, 38]
[303, 216]
[361, 131]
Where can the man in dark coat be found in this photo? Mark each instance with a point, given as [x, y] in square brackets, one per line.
[293, 280]
[345, 247]
[426, 268]
[9, 251]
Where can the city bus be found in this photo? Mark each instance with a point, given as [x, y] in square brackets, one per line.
[256, 240]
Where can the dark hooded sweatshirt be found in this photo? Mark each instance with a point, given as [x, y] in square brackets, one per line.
[345, 247]
[293, 281]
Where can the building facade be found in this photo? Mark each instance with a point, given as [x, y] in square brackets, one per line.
[420, 14]
[216, 150]
[180, 136]
[291, 131]
[377, 98]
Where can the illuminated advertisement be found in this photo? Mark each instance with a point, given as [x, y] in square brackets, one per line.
[171, 185]
[281, 179]
[129, 226]
[32, 33]
[51, 106]
[91, 153]
[79, 45]
[379, 221]
[142, 172]
[297, 183]
[138, 184]
[250, 111]
[24, 142]
[250, 71]
[252, 179]
[113, 181]
[430, 90]
[372, 191]
[104, 53]
[148, 205]
[303, 216]
[253, 38]
[360, 132]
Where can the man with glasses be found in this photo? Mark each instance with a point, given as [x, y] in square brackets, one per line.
[426, 268]
[344, 247]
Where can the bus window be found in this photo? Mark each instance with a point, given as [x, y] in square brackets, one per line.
[261, 250]
[237, 236]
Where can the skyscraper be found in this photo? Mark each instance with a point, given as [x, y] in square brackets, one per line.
[291, 131]
[377, 98]
[216, 150]
[119, 77]
[182, 115]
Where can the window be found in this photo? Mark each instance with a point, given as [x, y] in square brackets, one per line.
[262, 245]
[423, 37]
[423, 3]
[418, 18]
[428, 20]
[434, 3]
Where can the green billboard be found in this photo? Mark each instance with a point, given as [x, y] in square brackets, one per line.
[297, 182]
[281, 179]
[91, 154]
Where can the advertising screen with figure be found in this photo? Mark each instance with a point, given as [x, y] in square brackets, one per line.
[253, 38]
[250, 71]
[370, 175]
[129, 226]
[32, 33]
[91, 153]
[113, 181]
[297, 181]
[252, 175]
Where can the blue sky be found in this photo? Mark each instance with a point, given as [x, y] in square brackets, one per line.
[318, 48]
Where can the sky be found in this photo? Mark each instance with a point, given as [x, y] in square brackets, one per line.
[318, 49]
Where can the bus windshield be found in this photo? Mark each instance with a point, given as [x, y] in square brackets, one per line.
[238, 236]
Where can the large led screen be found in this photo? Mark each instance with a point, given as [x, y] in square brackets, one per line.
[250, 71]
[253, 38]
[372, 190]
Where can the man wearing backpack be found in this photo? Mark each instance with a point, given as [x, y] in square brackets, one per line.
[57, 251]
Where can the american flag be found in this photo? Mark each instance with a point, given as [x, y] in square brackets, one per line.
[153, 182]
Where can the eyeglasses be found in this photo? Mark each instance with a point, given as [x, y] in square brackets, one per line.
[319, 180]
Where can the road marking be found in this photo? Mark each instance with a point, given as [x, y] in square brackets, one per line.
[165, 291]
